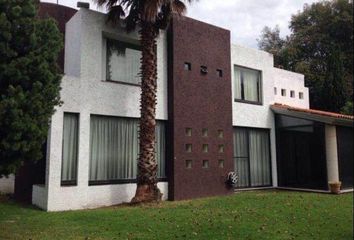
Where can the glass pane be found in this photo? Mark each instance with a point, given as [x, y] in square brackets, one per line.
[70, 147]
[241, 163]
[123, 62]
[237, 83]
[259, 158]
[114, 148]
[250, 85]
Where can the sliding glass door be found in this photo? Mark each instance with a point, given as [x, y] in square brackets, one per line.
[252, 157]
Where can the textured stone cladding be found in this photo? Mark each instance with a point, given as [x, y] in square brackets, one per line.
[61, 14]
[199, 101]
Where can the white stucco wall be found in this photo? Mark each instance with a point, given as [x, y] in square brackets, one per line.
[7, 184]
[261, 116]
[84, 91]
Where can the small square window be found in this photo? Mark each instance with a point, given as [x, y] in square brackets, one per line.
[189, 148]
[292, 94]
[187, 66]
[204, 132]
[219, 72]
[205, 148]
[205, 163]
[188, 164]
[220, 134]
[301, 95]
[283, 92]
[188, 132]
[221, 148]
[275, 91]
[221, 163]
[204, 69]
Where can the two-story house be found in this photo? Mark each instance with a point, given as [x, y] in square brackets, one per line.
[220, 108]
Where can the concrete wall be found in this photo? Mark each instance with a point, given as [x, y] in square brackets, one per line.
[261, 116]
[7, 184]
[85, 92]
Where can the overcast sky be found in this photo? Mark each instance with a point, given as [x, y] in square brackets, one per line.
[245, 19]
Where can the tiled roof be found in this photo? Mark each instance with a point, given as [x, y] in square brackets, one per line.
[313, 111]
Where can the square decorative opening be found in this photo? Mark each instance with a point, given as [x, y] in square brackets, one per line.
[292, 94]
[275, 91]
[283, 92]
[188, 148]
[220, 133]
[205, 163]
[221, 163]
[187, 66]
[189, 164]
[205, 148]
[219, 72]
[203, 69]
[221, 148]
[204, 132]
[301, 95]
[188, 132]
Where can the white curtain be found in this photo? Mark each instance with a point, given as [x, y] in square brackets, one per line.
[250, 85]
[123, 63]
[70, 147]
[259, 158]
[252, 157]
[241, 157]
[237, 83]
[114, 148]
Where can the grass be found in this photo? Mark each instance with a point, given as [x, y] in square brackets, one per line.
[247, 215]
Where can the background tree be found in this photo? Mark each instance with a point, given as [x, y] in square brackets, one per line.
[29, 82]
[316, 32]
[149, 16]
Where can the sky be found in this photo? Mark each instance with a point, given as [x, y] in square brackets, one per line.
[245, 19]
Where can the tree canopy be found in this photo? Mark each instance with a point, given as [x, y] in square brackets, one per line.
[320, 46]
[29, 82]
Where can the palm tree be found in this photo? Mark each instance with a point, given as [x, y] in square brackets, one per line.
[149, 16]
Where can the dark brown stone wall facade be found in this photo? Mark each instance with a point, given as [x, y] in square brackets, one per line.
[199, 101]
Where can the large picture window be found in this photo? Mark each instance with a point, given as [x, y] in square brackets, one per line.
[123, 62]
[247, 85]
[114, 149]
[252, 157]
[70, 149]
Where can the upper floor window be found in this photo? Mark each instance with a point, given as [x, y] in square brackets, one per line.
[123, 62]
[247, 85]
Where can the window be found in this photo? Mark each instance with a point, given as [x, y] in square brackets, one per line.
[70, 149]
[204, 132]
[205, 148]
[275, 91]
[292, 94]
[219, 72]
[188, 132]
[122, 62]
[187, 66]
[301, 95]
[283, 92]
[188, 164]
[114, 149]
[252, 157]
[247, 85]
[221, 163]
[205, 163]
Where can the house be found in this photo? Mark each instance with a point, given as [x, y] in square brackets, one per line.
[221, 108]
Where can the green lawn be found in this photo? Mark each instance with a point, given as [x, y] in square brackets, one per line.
[247, 215]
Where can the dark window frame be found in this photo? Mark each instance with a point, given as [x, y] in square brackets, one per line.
[127, 45]
[259, 86]
[71, 183]
[247, 129]
[127, 181]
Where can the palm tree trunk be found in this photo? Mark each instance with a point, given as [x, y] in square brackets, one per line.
[147, 189]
